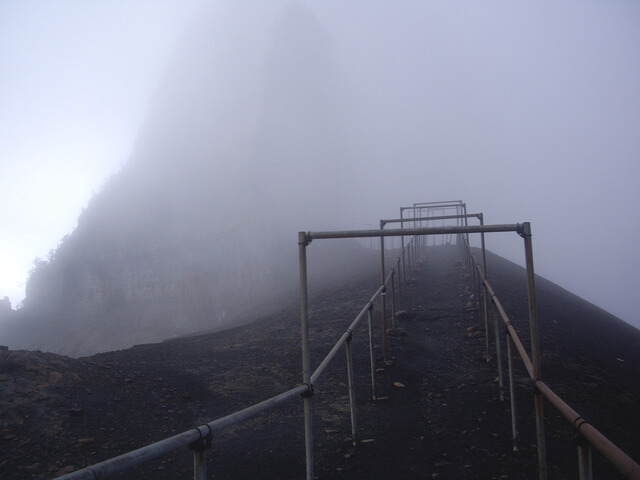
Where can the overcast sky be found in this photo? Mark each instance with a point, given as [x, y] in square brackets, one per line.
[529, 111]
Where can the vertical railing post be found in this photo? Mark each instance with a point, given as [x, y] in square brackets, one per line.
[484, 303]
[486, 320]
[393, 299]
[400, 291]
[303, 241]
[466, 223]
[199, 448]
[535, 351]
[512, 393]
[384, 297]
[584, 459]
[498, 353]
[484, 252]
[199, 465]
[371, 355]
[404, 263]
[352, 394]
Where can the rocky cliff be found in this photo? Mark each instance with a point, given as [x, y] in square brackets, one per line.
[244, 146]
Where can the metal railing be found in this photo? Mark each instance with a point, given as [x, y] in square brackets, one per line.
[199, 438]
[588, 436]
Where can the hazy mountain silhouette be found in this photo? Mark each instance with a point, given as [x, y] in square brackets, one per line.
[244, 146]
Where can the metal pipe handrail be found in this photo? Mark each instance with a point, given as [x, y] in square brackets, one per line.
[422, 204]
[625, 464]
[396, 232]
[509, 326]
[131, 459]
[345, 336]
[331, 355]
[425, 219]
[198, 434]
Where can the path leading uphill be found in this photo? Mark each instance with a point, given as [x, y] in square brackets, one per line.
[438, 413]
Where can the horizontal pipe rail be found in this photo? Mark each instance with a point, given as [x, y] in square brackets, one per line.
[440, 217]
[330, 356]
[434, 205]
[423, 204]
[397, 232]
[611, 452]
[348, 333]
[512, 332]
[131, 459]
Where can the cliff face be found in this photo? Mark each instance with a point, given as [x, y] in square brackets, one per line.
[244, 147]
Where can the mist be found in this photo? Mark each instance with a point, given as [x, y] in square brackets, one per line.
[277, 117]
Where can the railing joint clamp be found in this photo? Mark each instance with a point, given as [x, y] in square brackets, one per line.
[307, 239]
[308, 393]
[524, 229]
[536, 390]
[203, 442]
[577, 425]
[350, 332]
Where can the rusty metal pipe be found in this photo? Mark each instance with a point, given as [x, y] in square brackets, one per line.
[625, 464]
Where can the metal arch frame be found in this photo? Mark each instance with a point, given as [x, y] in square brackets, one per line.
[305, 239]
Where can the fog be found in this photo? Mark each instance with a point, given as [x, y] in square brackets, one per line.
[307, 116]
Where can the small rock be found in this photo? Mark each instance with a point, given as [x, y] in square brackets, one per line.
[75, 411]
[398, 384]
[396, 332]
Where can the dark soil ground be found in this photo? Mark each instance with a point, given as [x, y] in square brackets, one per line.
[438, 412]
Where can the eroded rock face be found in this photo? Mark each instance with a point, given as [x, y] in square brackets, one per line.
[202, 222]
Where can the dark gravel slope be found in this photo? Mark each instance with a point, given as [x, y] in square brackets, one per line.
[438, 413]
